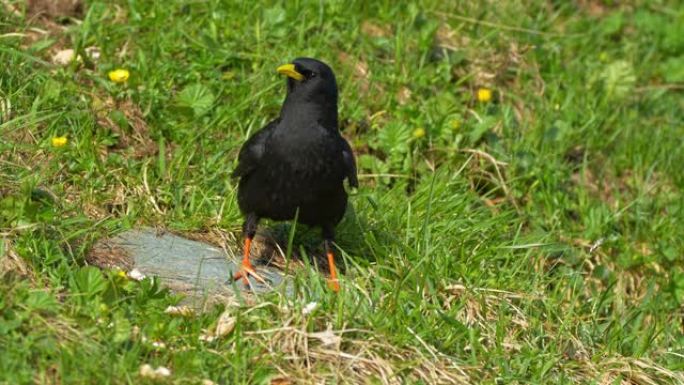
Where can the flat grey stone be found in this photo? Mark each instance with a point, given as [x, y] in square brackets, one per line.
[187, 266]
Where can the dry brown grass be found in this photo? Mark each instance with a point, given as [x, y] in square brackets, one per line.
[353, 357]
[135, 138]
[11, 264]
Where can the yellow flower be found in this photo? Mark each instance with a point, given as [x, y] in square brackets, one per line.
[121, 274]
[419, 132]
[455, 124]
[59, 141]
[484, 95]
[119, 75]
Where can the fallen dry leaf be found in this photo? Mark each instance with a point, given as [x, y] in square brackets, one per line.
[183, 311]
[327, 337]
[375, 30]
[225, 325]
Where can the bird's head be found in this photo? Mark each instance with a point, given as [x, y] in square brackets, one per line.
[310, 80]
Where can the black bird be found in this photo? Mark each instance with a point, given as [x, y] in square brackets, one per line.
[296, 164]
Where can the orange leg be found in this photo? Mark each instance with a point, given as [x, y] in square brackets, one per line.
[333, 283]
[247, 268]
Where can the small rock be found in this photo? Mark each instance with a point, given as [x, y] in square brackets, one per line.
[64, 57]
[147, 371]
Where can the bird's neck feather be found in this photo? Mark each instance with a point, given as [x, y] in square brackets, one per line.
[299, 112]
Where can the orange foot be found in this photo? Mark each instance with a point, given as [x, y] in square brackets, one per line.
[246, 271]
[333, 285]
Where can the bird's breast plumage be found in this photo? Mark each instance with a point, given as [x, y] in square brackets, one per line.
[300, 169]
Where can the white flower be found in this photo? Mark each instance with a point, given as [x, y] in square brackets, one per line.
[206, 337]
[136, 275]
[159, 345]
[162, 371]
[309, 308]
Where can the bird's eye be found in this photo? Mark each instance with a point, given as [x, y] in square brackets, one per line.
[308, 74]
[312, 74]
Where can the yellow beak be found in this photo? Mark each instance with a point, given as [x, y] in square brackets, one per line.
[290, 71]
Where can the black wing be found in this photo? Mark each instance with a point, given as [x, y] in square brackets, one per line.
[349, 163]
[252, 151]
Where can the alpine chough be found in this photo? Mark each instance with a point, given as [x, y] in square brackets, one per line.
[296, 164]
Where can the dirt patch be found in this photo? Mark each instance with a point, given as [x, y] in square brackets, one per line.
[614, 187]
[488, 178]
[361, 77]
[575, 156]
[485, 65]
[446, 41]
[107, 255]
[373, 29]
[56, 10]
[48, 19]
[126, 121]
[601, 187]
[594, 8]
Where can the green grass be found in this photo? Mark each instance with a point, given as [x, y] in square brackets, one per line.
[535, 238]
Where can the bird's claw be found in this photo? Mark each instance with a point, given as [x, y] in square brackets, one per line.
[244, 274]
[334, 285]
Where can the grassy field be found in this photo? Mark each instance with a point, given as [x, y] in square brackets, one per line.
[519, 220]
